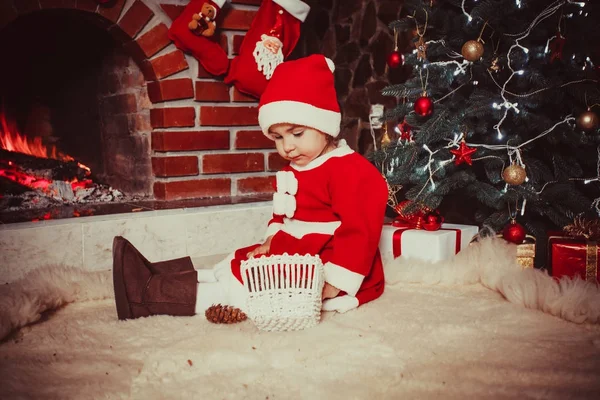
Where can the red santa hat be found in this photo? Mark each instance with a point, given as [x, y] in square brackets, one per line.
[217, 4]
[302, 92]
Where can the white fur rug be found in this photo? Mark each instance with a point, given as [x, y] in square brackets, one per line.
[445, 337]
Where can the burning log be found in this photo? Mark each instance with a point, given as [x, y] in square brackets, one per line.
[8, 186]
[46, 168]
[61, 180]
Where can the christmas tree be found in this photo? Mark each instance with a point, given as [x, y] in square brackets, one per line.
[500, 112]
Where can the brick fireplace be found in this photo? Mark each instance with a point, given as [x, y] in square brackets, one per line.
[144, 116]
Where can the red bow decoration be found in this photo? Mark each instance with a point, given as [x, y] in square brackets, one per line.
[424, 218]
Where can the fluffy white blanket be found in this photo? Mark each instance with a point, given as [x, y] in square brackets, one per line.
[444, 337]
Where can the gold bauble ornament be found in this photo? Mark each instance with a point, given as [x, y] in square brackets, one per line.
[514, 174]
[587, 121]
[472, 50]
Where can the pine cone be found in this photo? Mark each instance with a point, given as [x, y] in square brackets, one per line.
[220, 314]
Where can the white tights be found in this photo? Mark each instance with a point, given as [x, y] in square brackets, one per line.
[210, 293]
[218, 286]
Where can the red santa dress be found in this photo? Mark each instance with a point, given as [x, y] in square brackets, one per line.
[333, 207]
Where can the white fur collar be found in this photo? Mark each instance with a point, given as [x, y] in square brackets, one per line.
[342, 150]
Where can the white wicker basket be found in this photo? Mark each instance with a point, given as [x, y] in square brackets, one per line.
[284, 292]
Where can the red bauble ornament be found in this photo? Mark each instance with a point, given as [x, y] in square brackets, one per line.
[432, 221]
[463, 154]
[395, 59]
[514, 233]
[424, 106]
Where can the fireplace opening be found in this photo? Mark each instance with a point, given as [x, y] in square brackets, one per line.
[68, 88]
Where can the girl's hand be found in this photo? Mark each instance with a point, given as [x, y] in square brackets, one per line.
[329, 292]
[262, 249]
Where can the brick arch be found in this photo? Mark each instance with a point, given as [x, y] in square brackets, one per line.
[124, 27]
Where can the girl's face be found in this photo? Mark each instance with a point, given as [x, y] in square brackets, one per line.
[298, 144]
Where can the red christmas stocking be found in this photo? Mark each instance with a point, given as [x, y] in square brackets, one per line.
[272, 36]
[193, 32]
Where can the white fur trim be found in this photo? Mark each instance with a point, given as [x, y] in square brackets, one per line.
[292, 184]
[297, 8]
[278, 203]
[340, 304]
[272, 229]
[298, 113]
[290, 205]
[330, 64]
[280, 183]
[343, 278]
[342, 150]
[286, 182]
[299, 229]
[220, 3]
[284, 204]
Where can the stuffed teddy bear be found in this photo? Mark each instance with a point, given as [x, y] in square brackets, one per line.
[204, 23]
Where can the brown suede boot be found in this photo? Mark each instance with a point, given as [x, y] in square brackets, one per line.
[175, 265]
[168, 294]
[141, 293]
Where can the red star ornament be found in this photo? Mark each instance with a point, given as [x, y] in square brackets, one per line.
[463, 154]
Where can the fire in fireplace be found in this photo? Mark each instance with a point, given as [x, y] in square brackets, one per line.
[75, 119]
[30, 164]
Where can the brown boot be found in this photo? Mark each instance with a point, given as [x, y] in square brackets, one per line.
[168, 294]
[140, 293]
[176, 265]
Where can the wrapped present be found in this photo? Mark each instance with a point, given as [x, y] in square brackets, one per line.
[400, 239]
[576, 253]
[526, 252]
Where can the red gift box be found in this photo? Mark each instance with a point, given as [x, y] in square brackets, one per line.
[572, 257]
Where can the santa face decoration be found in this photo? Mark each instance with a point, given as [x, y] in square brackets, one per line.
[268, 52]
[270, 43]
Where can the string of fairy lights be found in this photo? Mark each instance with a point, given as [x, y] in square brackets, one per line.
[472, 51]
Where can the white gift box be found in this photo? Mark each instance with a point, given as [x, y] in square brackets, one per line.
[425, 245]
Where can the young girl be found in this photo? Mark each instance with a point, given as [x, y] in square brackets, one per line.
[329, 201]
